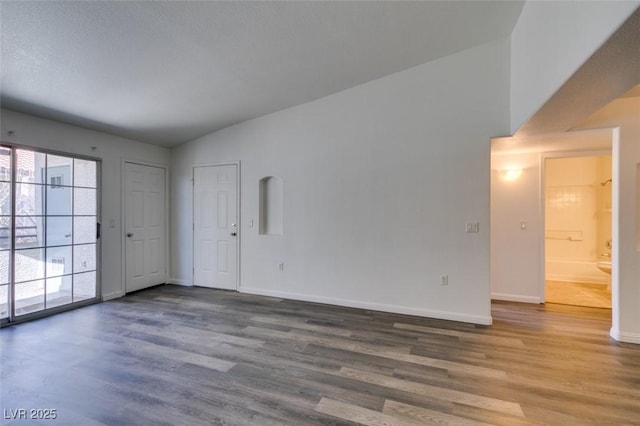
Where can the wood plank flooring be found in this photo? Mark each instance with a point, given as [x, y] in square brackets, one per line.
[192, 356]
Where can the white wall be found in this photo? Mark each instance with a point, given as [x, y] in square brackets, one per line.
[550, 41]
[515, 253]
[379, 181]
[625, 113]
[36, 132]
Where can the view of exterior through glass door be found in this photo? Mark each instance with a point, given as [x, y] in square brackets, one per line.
[48, 232]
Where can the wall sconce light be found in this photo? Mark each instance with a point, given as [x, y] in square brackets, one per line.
[510, 175]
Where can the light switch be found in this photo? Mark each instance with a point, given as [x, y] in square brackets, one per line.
[524, 225]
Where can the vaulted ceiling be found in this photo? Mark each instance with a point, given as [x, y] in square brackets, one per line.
[167, 72]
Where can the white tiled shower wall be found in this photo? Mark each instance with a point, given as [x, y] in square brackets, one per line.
[577, 217]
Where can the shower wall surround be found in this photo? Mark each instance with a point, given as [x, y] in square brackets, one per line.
[577, 217]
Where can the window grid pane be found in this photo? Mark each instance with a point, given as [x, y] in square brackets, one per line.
[29, 297]
[84, 258]
[59, 200]
[30, 199]
[84, 201]
[5, 164]
[29, 231]
[59, 291]
[59, 261]
[84, 286]
[4, 301]
[59, 171]
[59, 230]
[30, 166]
[84, 229]
[29, 264]
[5, 233]
[84, 173]
[5, 264]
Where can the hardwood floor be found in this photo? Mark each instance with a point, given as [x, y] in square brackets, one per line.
[193, 356]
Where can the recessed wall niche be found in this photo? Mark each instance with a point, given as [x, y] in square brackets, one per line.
[270, 206]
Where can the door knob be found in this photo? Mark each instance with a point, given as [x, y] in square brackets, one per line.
[233, 234]
[129, 234]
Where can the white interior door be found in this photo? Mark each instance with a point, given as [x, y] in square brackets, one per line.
[215, 226]
[144, 226]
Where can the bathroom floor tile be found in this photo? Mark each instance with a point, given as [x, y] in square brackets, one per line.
[578, 294]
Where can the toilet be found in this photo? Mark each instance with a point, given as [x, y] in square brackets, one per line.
[605, 266]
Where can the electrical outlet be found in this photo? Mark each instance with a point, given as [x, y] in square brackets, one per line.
[524, 225]
[281, 266]
[472, 227]
[444, 279]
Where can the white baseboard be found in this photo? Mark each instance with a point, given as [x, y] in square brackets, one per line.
[405, 310]
[112, 295]
[178, 281]
[515, 298]
[625, 337]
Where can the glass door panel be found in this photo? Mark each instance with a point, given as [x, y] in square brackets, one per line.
[48, 241]
[6, 155]
[29, 237]
[85, 195]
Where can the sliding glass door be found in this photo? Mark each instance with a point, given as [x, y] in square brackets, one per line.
[48, 232]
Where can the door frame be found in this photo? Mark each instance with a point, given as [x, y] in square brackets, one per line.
[123, 198]
[542, 237]
[238, 204]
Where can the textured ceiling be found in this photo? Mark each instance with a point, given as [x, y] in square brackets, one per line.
[168, 72]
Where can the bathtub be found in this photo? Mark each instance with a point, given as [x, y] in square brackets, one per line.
[582, 271]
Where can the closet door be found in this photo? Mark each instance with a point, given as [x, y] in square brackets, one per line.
[144, 218]
[215, 226]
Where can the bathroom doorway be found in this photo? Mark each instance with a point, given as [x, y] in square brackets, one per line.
[578, 232]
